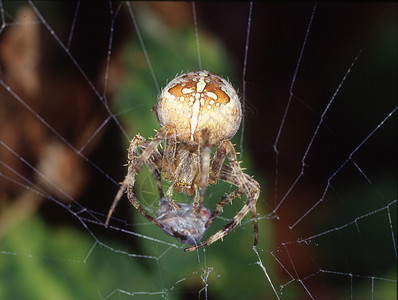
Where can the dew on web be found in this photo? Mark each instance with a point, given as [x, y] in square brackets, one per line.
[318, 88]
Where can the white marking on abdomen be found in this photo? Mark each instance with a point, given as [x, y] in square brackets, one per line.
[200, 86]
[211, 95]
[187, 91]
[194, 118]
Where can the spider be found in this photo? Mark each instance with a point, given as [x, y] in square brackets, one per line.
[197, 111]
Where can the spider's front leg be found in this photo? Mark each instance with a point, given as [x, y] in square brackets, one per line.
[170, 146]
[232, 174]
[137, 142]
[150, 155]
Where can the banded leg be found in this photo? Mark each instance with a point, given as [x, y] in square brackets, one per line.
[131, 180]
[245, 183]
[169, 154]
[170, 146]
[221, 233]
[218, 170]
[232, 174]
[137, 206]
[224, 200]
[135, 162]
[128, 184]
[153, 162]
[218, 163]
[158, 179]
[152, 146]
[137, 142]
[237, 176]
[169, 197]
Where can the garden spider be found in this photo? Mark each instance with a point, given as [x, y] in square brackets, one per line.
[197, 111]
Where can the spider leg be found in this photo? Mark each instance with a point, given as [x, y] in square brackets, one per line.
[169, 197]
[153, 162]
[158, 179]
[232, 174]
[224, 200]
[150, 155]
[217, 171]
[227, 175]
[170, 146]
[221, 233]
[119, 195]
[126, 184]
[136, 142]
[136, 204]
[217, 163]
[246, 183]
[166, 130]
[204, 154]
[167, 160]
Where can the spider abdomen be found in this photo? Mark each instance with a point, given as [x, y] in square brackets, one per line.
[200, 100]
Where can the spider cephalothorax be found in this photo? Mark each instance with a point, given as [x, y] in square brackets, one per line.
[197, 111]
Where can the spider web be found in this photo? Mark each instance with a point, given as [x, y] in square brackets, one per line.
[319, 89]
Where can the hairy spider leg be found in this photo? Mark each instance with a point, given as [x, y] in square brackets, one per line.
[224, 200]
[137, 142]
[153, 161]
[216, 167]
[158, 179]
[133, 200]
[221, 233]
[149, 150]
[169, 197]
[249, 186]
[170, 146]
[244, 183]
[227, 175]
[126, 185]
[218, 162]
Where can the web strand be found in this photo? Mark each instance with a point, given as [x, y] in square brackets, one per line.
[249, 22]
[195, 22]
[143, 47]
[73, 25]
[303, 160]
[289, 101]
